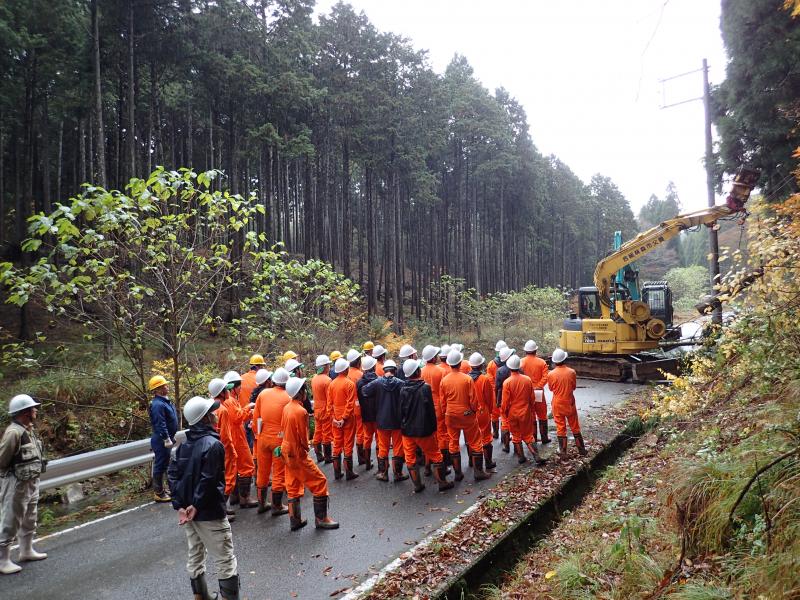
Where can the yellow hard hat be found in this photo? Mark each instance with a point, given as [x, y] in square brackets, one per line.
[367, 346]
[257, 359]
[156, 381]
[334, 355]
[288, 355]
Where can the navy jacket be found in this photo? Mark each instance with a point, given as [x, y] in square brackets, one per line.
[386, 391]
[197, 475]
[163, 418]
[367, 402]
[503, 373]
[417, 414]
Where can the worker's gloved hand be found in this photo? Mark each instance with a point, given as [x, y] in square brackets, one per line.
[168, 443]
[277, 452]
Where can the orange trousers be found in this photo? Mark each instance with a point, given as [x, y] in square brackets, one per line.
[485, 425]
[368, 431]
[472, 433]
[244, 458]
[323, 433]
[540, 407]
[393, 436]
[303, 473]
[441, 433]
[522, 428]
[269, 464]
[344, 437]
[563, 414]
[429, 446]
[230, 469]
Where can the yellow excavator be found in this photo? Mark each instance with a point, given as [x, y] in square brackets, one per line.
[615, 338]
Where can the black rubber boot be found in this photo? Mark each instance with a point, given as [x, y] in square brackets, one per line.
[337, 466]
[327, 447]
[296, 520]
[441, 479]
[562, 446]
[477, 467]
[383, 469]
[448, 461]
[360, 454]
[348, 465]
[228, 510]
[520, 453]
[262, 500]
[200, 588]
[245, 483]
[229, 588]
[397, 469]
[543, 432]
[459, 474]
[428, 471]
[495, 429]
[318, 451]
[505, 439]
[233, 499]
[579, 443]
[488, 450]
[321, 518]
[368, 458]
[536, 458]
[416, 479]
[278, 508]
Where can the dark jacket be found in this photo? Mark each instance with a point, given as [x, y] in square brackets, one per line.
[386, 391]
[368, 402]
[163, 419]
[197, 475]
[417, 414]
[503, 373]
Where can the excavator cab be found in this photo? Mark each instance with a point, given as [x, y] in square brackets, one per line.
[658, 296]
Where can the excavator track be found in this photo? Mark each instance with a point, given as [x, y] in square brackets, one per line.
[634, 368]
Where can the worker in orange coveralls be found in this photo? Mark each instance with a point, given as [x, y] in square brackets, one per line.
[301, 472]
[342, 398]
[237, 415]
[368, 407]
[432, 373]
[323, 434]
[517, 410]
[460, 414]
[216, 389]
[418, 425]
[246, 391]
[503, 373]
[536, 368]
[465, 368]
[443, 352]
[491, 372]
[562, 381]
[378, 352]
[485, 402]
[355, 373]
[267, 416]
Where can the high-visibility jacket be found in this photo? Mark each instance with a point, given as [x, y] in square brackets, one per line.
[319, 388]
[269, 408]
[342, 397]
[458, 394]
[247, 387]
[562, 381]
[535, 368]
[517, 396]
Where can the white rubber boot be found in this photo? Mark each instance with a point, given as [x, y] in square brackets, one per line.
[26, 551]
[6, 566]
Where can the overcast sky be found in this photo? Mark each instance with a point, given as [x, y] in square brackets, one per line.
[587, 73]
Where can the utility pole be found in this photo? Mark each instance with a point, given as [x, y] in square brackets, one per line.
[716, 316]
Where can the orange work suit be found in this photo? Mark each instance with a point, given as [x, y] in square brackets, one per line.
[236, 419]
[491, 372]
[387, 438]
[562, 381]
[429, 448]
[444, 367]
[342, 397]
[354, 374]
[301, 471]
[379, 369]
[517, 407]
[433, 375]
[465, 368]
[246, 387]
[485, 401]
[536, 368]
[223, 426]
[269, 408]
[322, 412]
[460, 411]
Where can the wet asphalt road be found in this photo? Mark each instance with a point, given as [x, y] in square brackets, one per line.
[142, 554]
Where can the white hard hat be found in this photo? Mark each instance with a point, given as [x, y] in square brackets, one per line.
[262, 375]
[454, 358]
[476, 359]
[378, 351]
[292, 364]
[232, 377]
[196, 408]
[353, 355]
[406, 351]
[20, 402]
[531, 346]
[390, 364]
[368, 362]
[341, 365]
[506, 352]
[459, 347]
[294, 386]
[559, 356]
[429, 352]
[280, 376]
[444, 350]
[513, 363]
[215, 387]
[322, 360]
[500, 345]
[410, 367]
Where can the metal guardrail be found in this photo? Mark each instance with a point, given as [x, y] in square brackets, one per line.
[63, 471]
